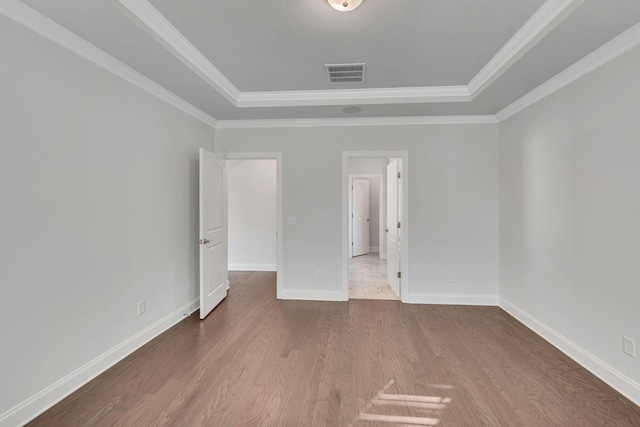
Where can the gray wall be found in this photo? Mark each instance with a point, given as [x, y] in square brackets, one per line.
[453, 194]
[99, 210]
[570, 211]
[367, 165]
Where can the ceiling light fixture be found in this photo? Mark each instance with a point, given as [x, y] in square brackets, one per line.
[344, 5]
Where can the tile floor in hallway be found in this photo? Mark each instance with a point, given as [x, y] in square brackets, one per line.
[368, 278]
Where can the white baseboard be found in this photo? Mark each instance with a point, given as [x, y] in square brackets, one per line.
[453, 299]
[252, 267]
[45, 399]
[311, 295]
[624, 385]
[374, 249]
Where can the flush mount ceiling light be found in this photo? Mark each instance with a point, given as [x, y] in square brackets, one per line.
[344, 5]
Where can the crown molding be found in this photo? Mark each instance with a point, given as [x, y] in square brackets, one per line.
[155, 24]
[550, 14]
[356, 121]
[599, 57]
[51, 30]
[545, 19]
[307, 98]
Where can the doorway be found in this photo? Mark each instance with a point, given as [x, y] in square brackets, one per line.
[255, 212]
[375, 251]
[214, 223]
[252, 215]
[367, 209]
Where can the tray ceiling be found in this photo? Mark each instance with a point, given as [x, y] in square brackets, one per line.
[424, 57]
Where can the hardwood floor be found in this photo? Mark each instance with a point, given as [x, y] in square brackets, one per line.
[256, 361]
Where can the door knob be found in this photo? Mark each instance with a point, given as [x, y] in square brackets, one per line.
[204, 241]
[386, 229]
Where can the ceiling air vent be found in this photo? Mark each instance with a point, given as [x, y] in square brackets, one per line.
[345, 73]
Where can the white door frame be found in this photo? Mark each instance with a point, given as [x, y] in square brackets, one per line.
[380, 203]
[278, 159]
[405, 283]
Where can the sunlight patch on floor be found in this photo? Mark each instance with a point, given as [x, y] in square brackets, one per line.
[433, 405]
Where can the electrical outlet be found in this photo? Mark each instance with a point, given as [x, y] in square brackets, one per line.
[141, 307]
[629, 346]
[452, 277]
[319, 274]
[291, 220]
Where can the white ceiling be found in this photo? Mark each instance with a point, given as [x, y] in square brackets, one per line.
[267, 47]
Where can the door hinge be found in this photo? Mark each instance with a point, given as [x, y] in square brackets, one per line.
[399, 275]
[203, 241]
[398, 175]
[351, 243]
[351, 215]
[398, 224]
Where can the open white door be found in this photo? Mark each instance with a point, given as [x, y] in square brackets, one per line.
[393, 226]
[213, 231]
[360, 216]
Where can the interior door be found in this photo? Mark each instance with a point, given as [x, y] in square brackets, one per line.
[213, 231]
[360, 216]
[393, 229]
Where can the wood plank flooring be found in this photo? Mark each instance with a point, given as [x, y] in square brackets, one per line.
[256, 361]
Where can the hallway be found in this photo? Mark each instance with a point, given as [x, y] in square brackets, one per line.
[368, 278]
